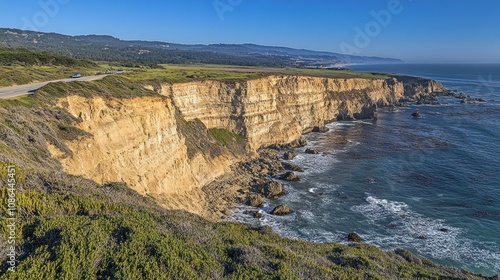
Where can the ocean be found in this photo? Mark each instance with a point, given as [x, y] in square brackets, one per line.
[430, 185]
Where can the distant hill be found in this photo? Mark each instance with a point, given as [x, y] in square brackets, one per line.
[108, 48]
[25, 57]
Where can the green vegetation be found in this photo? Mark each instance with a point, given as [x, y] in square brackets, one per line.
[182, 74]
[20, 75]
[25, 101]
[24, 57]
[112, 233]
[20, 66]
[188, 73]
[200, 140]
[225, 136]
[110, 86]
[327, 73]
[20, 175]
[108, 48]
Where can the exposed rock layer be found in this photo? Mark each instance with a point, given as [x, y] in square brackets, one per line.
[278, 109]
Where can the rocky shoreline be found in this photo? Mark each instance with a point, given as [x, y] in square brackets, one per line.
[259, 178]
[251, 181]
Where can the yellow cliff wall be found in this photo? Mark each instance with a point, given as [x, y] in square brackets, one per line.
[279, 109]
[137, 141]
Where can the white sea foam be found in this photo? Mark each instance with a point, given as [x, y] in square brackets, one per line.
[293, 195]
[305, 214]
[279, 225]
[392, 225]
[238, 215]
[405, 228]
[336, 125]
[354, 143]
[378, 209]
[314, 164]
[319, 235]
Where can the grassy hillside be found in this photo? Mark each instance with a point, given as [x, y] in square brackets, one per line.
[72, 228]
[188, 73]
[19, 56]
[20, 66]
[112, 233]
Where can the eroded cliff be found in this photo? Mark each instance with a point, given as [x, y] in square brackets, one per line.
[279, 109]
[159, 145]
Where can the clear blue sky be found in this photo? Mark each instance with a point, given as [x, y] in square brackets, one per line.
[418, 31]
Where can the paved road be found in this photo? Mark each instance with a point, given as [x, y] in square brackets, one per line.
[8, 92]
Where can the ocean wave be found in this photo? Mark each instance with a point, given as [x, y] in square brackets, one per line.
[313, 190]
[340, 124]
[394, 225]
[314, 164]
[312, 234]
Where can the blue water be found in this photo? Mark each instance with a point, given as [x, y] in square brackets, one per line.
[397, 181]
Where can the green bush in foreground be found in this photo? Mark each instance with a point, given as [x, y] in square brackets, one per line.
[67, 236]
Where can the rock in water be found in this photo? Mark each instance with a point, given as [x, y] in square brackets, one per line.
[292, 167]
[257, 215]
[281, 210]
[255, 200]
[367, 112]
[416, 114]
[312, 151]
[271, 189]
[301, 142]
[354, 237]
[289, 155]
[289, 176]
[320, 129]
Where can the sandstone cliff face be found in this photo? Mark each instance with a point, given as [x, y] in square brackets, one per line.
[137, 140]
[279, 109]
